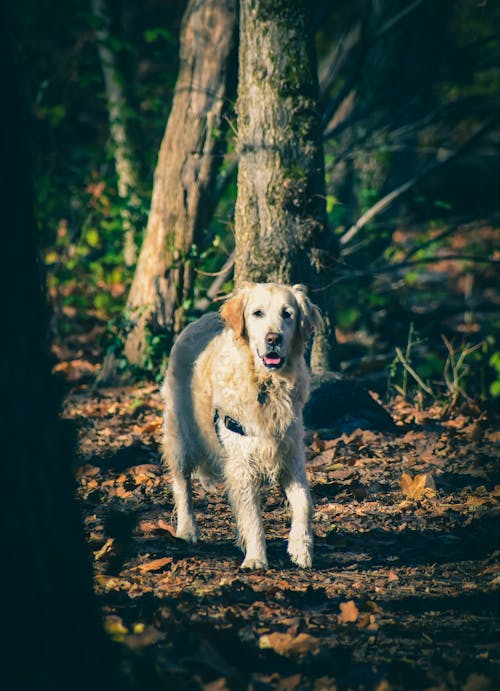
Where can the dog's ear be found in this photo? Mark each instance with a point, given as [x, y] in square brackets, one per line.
[309, 317]
[233, 310]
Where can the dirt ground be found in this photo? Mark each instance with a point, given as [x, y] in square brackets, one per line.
[403, 593]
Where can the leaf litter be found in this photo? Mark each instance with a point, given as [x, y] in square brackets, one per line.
[403, 593]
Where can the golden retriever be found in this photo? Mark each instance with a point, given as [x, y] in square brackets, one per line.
[234, 392]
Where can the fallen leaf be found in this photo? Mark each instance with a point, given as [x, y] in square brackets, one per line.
[348, 612]
[290, 646]
[155, 564]
[152, 426]
[472, 432]
[318, 445]
[105, 549]
[162, 523]
[417, 487]
[114, 627]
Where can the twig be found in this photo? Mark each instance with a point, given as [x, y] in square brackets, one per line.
[411, 371]
[393, 21]
[203, 303]
[386, 201]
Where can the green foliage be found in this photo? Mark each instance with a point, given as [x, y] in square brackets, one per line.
[395, 123]
[494, 362]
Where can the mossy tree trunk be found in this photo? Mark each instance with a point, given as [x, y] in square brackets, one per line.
[190, 154]
[281, 228]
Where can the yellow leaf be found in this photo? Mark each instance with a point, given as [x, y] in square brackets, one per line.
[417, 487]
[113, 625]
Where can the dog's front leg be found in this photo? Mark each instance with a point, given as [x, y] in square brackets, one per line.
[300, 539]
[244, 496]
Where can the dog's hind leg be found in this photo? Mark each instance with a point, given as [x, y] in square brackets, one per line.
[300, 539]
[183, 495]
[175, 457]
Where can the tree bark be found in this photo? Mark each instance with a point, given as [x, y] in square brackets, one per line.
[280, 222]
[125, 172]
[190, 154]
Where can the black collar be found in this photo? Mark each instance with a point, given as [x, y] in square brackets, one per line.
[230, 424]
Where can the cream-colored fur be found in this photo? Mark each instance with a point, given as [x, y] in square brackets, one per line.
[248, 364]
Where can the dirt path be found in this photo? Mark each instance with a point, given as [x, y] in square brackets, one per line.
[404, 589]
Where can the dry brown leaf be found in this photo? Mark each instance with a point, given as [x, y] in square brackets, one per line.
[318, 445]
[162, 523]
[417, 487]
[155, 564]
[472, 432]
[151, 426]
[348, 612]
[105, 549]
[290, 646]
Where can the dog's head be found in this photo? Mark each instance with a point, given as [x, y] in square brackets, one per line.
[276, 321]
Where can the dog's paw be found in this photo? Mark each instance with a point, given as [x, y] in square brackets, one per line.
[301, 551]
[252, 564]
[188, 533]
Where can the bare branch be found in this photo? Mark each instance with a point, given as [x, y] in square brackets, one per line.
[386, 201]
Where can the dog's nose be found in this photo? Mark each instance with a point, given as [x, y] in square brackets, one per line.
[273, 338]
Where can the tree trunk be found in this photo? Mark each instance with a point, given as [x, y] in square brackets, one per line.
[54, 638]
[190, 154]
[125, 172]
[281, 228]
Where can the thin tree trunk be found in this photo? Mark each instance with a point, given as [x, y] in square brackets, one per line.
[281, 228]
[125, 172]
[190, 154]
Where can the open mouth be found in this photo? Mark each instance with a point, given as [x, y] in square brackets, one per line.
[273, 360]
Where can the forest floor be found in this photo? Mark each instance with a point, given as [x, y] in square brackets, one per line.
[403, 593]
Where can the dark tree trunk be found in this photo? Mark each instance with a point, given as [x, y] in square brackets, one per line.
[190, 154]
[281, 228]
[52, 633]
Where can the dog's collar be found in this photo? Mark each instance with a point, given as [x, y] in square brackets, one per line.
[263, 393]
[230, 424]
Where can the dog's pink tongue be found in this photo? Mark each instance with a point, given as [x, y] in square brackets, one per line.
[272, 360]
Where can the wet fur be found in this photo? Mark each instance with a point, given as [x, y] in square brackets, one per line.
[216, 365]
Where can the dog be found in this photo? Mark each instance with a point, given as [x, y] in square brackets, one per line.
[234, 391]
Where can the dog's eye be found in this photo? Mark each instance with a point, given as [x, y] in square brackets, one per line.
[287, 314]
[258, 314]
